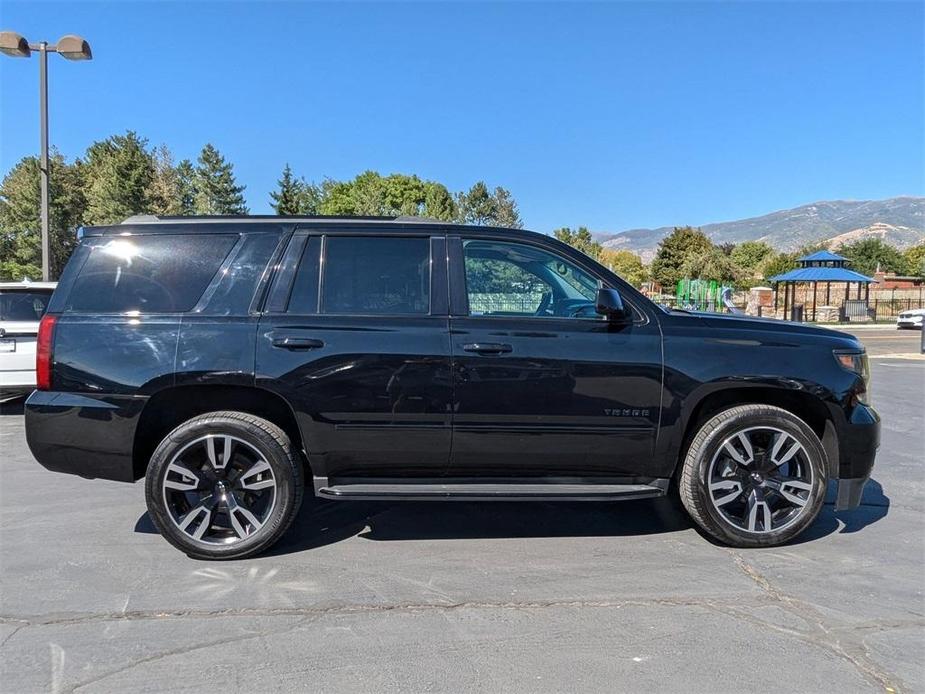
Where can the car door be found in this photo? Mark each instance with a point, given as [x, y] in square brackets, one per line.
[543, 385]
[355, 338]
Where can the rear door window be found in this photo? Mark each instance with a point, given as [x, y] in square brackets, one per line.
[375, 275]
[23, 304]
[157, 273]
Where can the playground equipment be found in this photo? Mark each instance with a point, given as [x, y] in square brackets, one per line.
[704, 295]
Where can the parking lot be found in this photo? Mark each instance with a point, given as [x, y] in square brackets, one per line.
[464, 596]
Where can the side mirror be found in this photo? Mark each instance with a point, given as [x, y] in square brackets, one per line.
[611, 306]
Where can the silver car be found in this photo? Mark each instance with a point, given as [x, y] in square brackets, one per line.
[22, 305]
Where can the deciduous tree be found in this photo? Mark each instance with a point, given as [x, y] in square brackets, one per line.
[869, 255]
[778, 263]
[674, 251]
[626, 264]
[749, 255]
[711, 264]
[580, 238]
[915, 258]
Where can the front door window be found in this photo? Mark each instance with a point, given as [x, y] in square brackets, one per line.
[515, 279]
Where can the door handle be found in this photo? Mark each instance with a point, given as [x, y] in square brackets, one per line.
[290, 342]
[488, 348]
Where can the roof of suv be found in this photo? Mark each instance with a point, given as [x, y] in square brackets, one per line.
[26, 284]
[205, 224]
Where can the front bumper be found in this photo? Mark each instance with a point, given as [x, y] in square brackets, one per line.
[911, 322]
[859, 439]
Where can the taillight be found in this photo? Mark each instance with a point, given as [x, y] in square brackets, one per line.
[43, 354]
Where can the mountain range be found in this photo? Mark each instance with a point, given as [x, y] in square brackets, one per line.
[898, 221]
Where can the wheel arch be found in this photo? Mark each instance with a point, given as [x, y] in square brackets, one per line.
[170, 407]
[810, 408]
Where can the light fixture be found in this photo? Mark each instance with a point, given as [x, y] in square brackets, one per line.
[14, 45]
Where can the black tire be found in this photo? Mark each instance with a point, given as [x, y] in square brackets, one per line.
[279, 495]
[708, 452]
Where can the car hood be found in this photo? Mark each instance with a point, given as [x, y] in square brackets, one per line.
[913, 312]
[753, 324]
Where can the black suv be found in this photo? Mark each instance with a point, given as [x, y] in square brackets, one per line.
[231, 361]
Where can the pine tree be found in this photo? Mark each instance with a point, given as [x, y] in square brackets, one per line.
[506, 213]
[117, 179]
[217, 192]
[186, 183]
[310, 198]
[477, 206]
[20, 223]
[288, 198]
[165, 193]
[439, 203]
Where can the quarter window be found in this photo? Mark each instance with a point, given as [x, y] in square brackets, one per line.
[513, 279]
[148, 273]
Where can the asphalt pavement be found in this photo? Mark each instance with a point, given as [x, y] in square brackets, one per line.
[501, 597]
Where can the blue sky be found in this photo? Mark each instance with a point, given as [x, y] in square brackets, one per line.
[611, 115]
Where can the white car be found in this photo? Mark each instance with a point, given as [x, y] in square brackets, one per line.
[911, 319]
[22, 305]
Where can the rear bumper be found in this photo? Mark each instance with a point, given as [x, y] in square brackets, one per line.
[85, 435]
[17, 381]
[859, 440]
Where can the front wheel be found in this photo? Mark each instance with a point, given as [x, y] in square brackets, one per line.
[754, 476]
[224, 485]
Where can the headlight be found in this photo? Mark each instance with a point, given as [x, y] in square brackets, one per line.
[856, 362]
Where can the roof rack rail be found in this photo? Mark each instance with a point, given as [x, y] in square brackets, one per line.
[155, 219]
[140, 219]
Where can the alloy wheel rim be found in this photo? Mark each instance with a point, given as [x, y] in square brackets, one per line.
[760, 480]
[219, 489]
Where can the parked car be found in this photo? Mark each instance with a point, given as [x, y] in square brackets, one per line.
[232, 361]
[911, 319]
[22, 305]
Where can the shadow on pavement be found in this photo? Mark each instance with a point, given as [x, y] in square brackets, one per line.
[11, 407]
[874, 506]
[322, 523]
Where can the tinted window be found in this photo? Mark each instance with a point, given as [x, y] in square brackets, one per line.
[304, 297]
[238, 284]
[23, 305]
[150, 274]
[513, 279]
[376, 275]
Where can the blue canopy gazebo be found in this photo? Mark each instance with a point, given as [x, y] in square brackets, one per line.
[820, 267]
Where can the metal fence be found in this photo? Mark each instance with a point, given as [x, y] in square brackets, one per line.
[506, 303]
[889, 308]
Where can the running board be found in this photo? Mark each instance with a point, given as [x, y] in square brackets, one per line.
[495, 490]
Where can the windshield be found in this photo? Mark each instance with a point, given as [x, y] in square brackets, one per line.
[23, 305]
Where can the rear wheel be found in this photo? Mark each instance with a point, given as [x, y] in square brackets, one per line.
[754, 476]
[224, 485]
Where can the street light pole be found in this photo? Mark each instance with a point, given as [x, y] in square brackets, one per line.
[43, 159]
[69, 47]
